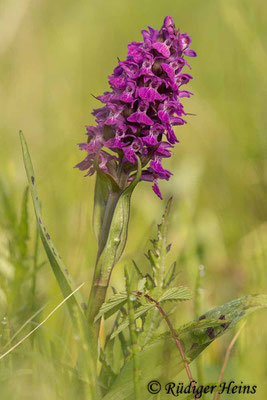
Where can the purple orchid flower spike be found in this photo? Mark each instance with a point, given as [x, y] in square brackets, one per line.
[139, 113]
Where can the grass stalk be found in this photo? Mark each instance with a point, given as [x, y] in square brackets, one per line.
[226, 358]
[133, 337]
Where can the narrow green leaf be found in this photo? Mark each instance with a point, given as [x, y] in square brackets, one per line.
[161, 360]
[61, 273]
[170, 275]
[102, 191]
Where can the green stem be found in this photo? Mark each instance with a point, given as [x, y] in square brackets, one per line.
[35, 265]
[197, 311]
[102, 273]
[133, 337]
[112, 241]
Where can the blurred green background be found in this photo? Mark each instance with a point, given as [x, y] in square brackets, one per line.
[54, 55]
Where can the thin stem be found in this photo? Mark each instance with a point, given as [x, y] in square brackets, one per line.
[35, 265]
[175, 337]
[197, 311]
[133, 337]
[226, 358]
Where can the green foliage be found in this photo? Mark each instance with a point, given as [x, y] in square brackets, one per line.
[160, 358]
[157, 256]
[61, 273]
[219, 175]
[113, 304]
[175, 293]
[112, 242]
[102, 192]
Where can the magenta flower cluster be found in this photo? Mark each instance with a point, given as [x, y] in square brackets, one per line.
[139, 113]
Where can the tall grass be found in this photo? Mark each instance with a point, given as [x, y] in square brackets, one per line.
[53, 55]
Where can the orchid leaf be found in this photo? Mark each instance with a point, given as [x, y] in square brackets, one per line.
[102, 191]
[117, 234]
[61, 273]
[160, 359]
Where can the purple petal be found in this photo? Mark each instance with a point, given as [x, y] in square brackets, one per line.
[129, 154]
[162, 150]
[117, 82]
[168, 21]
[157, 167]
[184, 41]
[190, 53]
[149, 94]
[177, 121]
[153, 33]
[185, 93]
[156, 190]
[171, 135]
[150, 140]
[164, 116]
[85, 164]
[140, 117]
[162, 48]
[169, 70]
[136, 51]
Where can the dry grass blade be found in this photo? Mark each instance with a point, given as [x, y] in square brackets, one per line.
[226, 358]
[38, 326]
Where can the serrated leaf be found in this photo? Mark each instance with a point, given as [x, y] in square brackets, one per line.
[161, 360]
[61, 273]
[173, 294]
[176, 293]
[141, 285]
[112, 305]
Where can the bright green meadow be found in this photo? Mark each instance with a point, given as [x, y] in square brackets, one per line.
[54, 56]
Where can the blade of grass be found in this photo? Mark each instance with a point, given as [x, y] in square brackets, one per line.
[226, 358]
[39, 325]
[25, 324]
[133, 336]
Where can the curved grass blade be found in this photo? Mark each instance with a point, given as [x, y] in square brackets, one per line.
[159, 360]
[61, 273]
